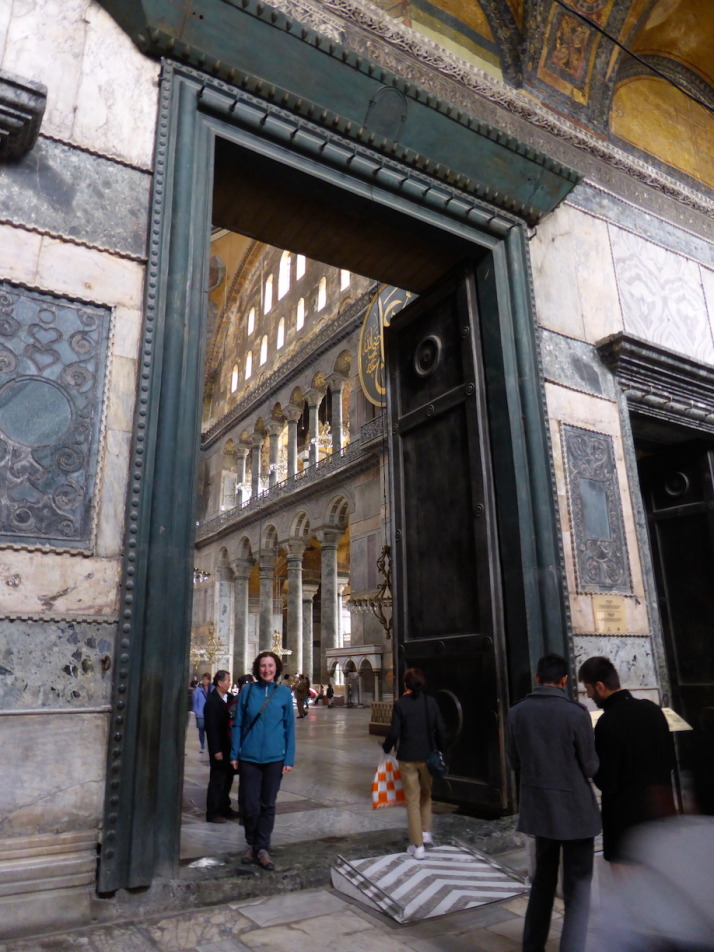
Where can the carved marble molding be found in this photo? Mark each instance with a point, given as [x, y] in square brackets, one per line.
[430, 64]
[22, 106]
[599, 544]
[660, 383]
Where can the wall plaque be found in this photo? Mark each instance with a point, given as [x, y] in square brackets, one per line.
[53, 355]
[601, 562]
[610, 615]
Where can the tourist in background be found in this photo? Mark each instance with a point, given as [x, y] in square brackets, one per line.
[200, 696]
[263, 751]
[416, 729]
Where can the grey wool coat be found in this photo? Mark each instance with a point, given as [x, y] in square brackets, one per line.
[550, 745]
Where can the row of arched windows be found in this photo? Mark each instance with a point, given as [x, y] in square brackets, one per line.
[283, 287]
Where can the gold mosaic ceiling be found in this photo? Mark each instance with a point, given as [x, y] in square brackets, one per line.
[639, 72]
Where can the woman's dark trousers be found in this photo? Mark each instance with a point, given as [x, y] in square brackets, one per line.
[259, 785]
[577, 876]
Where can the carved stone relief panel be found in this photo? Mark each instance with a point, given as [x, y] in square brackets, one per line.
[53, 356]
[600, 550]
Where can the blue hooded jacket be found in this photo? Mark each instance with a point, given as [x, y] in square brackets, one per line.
[272, 737]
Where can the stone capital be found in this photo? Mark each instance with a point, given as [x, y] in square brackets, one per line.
[314, 397]
[292, 413]
[309, 591]
[242, 567]
[242, 450]
[294, 548]
[337, 381]
[257, 438]
[275, 428]
[328, 535]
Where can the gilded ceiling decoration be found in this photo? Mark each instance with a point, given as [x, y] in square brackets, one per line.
[639, 72]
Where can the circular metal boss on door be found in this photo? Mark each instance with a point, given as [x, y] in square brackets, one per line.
[427, 356]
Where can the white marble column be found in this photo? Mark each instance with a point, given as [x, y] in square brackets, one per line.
[329, 539]
[274, 431]
[265, 624]
[309, 590]
[241, 453]
[337, 383]
[224, 611]
[295, 605]
[256, 440]
[314, 398]
[292, 415]
[242, 659]
[342, 582]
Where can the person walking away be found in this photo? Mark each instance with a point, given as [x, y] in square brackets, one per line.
[301, 688]
[217, 716]
[636, 754]
[330, 694]
[200, 696]
[416, 728]
[262, 751]
[550, 746]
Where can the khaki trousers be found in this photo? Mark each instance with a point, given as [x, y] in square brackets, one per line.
[417, 793]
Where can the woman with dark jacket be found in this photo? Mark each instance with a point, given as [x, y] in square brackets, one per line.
[262, 751]
[417, 728]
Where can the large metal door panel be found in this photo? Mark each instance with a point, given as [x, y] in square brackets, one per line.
[447, 586]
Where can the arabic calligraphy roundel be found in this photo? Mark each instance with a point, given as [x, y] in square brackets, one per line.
[386, 303]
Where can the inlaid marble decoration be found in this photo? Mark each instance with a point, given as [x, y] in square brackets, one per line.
[662, 296]
[53, 355]
[601, 561]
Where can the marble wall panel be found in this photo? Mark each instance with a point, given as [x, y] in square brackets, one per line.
[662, 296]
[595, 275]
[127, 331]
[19, 254]
[555, 281]
[45, 42]
[56, 763]
[102, 93]
[121, 394]
[117, 101]
[631, 656]
[575, 364]
[62, 190]
[55, 664]
[89, 274]
[40, 583]
[707, 276]
[112, 502]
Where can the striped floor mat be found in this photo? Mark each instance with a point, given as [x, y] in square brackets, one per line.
[450, 878]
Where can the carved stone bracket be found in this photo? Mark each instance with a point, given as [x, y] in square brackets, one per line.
[22, 106]
[660, 383]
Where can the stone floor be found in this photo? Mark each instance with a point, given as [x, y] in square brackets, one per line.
[324, 809]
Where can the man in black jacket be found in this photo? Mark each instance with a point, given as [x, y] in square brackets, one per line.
[549, 742]
[217, 720]
[636, 754]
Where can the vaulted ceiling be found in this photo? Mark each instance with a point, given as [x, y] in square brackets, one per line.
[640, 72]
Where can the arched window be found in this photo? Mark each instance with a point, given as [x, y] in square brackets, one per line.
[234, 379]
[300, 317]
[284, 274]
[251, 320]
[248, 366]
[281, 332]
[268, 301]
[345, 277]
[300, 266]
[322, 293]
[263, 350]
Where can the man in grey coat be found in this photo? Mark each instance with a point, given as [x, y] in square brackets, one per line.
[551, 748]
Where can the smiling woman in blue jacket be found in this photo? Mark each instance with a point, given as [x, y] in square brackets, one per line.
[262, 751]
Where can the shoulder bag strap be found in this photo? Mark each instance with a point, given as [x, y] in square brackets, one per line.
[252, 724]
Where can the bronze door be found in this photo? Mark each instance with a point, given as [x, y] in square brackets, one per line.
[447, 586]
[678, 492]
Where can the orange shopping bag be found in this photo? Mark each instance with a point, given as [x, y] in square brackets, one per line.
[387, 789]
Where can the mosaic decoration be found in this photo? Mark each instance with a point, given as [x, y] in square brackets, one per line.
[601, 561]
[52, 368]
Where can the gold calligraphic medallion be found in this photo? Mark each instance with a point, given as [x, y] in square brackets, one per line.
[385, 304]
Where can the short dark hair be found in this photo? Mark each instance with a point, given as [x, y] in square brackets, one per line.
[221, 676]
[267, 654]
[552, 668]
[414, 680]
[599, 669]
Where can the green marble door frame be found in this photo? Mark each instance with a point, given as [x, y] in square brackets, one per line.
[146, 751]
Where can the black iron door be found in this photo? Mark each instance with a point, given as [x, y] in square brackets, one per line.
[447, 587]
[678, 492]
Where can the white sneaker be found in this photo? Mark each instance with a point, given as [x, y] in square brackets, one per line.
[427, 839]
[416, 852]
